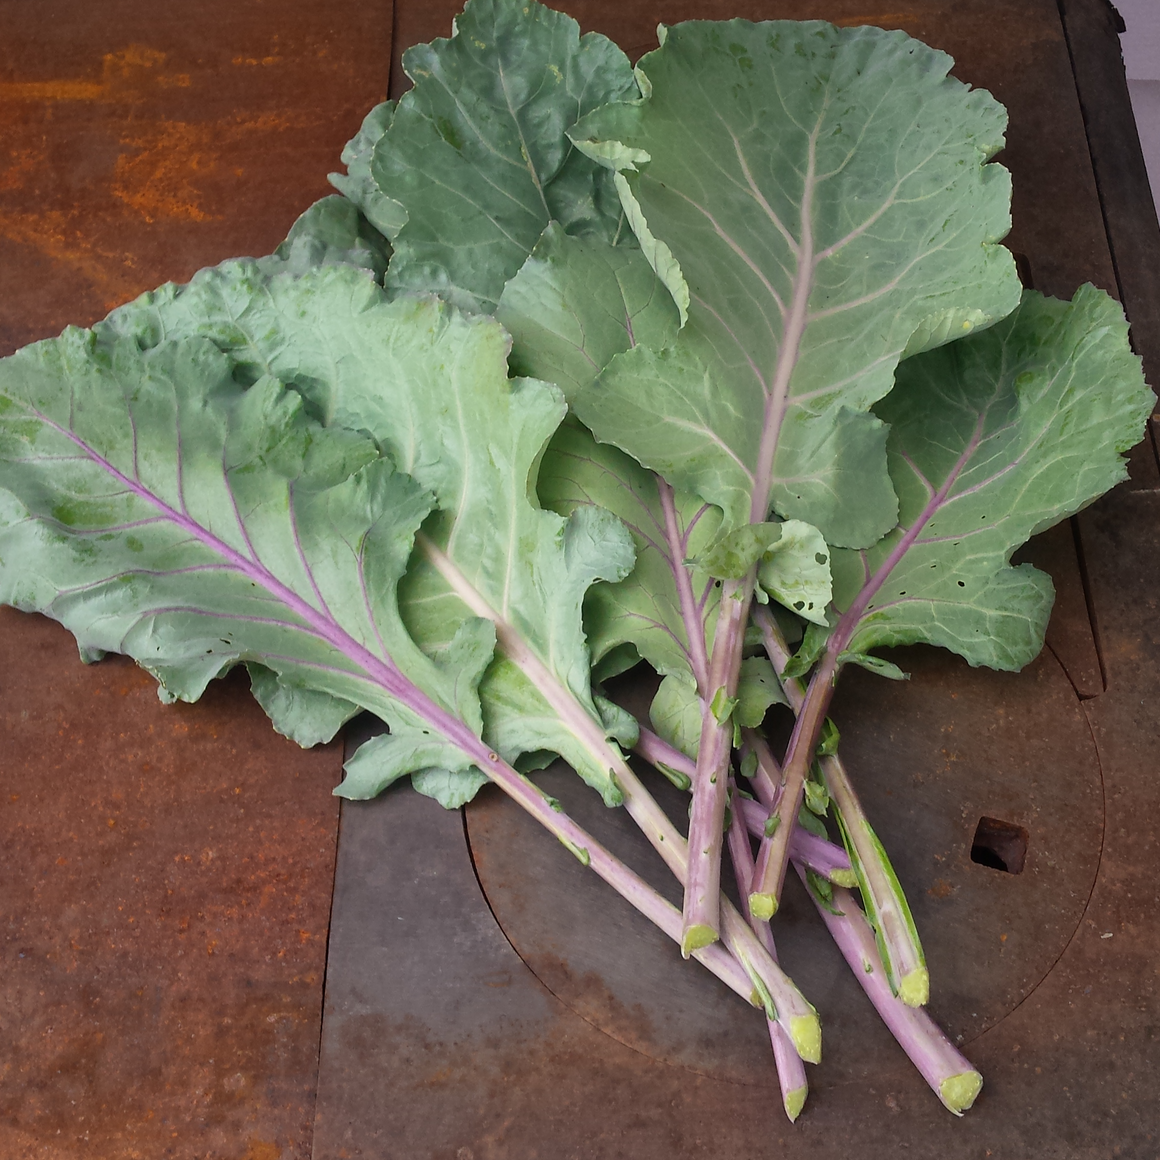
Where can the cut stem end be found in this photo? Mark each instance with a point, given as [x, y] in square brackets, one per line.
[795, 1100]
[958, 1092]
[806, 1033]
[763, 906]
[915, 988]
[697, 937]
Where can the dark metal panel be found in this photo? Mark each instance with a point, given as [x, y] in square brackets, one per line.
[165, 876]
[1064, 1036]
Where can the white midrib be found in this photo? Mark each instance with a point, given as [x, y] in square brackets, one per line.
[513, 645]
[579, 722]
[787, 356]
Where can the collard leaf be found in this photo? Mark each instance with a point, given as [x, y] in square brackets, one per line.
[158, 508]
[357, 184]
[331, 231]
[758, 689]
[824, 193]
[993, 439]
[436, 765]
[307, 716]
[477, 153]
[431, 386]
[577, 302]
[795, 571]
[793, 563]
[644, 609]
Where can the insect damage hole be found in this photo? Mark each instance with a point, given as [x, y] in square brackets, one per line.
[1000, 845]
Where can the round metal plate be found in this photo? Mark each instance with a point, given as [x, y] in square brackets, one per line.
[930, 757]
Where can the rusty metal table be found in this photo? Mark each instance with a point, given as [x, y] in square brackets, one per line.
[467, 1015]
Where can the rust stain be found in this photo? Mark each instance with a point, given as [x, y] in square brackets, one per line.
[125, 75]
[158, 181]
[55, 235]
[879, 19]
[24, 163]
[262, 1150]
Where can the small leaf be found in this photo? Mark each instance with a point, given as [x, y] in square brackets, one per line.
[817, 799]
[757, 689]
[795, 571]
[873, 664]
[808, 820]
[828, 742]
[675, 714]
[722, 706]
[812, 646]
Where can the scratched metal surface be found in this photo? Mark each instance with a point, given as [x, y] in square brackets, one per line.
[485, 999]
[165, 872]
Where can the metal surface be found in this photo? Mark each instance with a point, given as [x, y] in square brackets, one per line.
[165, 887]
[931, 757]
[441, 1041]
[165, 873]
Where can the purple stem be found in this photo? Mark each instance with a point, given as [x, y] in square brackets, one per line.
[881, 891]
[949, 1073]
[791, 1072]
[678, 546]
[657, 751]
[707, 820]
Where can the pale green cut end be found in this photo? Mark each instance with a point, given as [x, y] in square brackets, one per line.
[915, 988]
[762, 906]
[846, 878]
[958, 1092]
[806, 1033]
[794, 1102]
[696, 937]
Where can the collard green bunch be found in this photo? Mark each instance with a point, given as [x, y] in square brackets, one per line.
[715, 364]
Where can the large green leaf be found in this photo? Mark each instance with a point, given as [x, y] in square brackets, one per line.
[158, 508]
[477, 154]
[357, 184]
[645, 608]
[577, 302]
[992, 440]
[431, 385]
[824, 193]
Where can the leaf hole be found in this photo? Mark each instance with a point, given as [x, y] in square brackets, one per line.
[999, 845]
[962, 584]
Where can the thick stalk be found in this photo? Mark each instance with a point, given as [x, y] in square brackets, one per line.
[707, 820]
[949, 1073]
[886, 903]
[791, 1072]
[792, 1011]
[773, 857]
[824, 858]
[657, 751]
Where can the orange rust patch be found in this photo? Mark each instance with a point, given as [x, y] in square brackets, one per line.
[125, 75]
[24, 162]
[53, 233]
[879, 19]
[157, 181]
